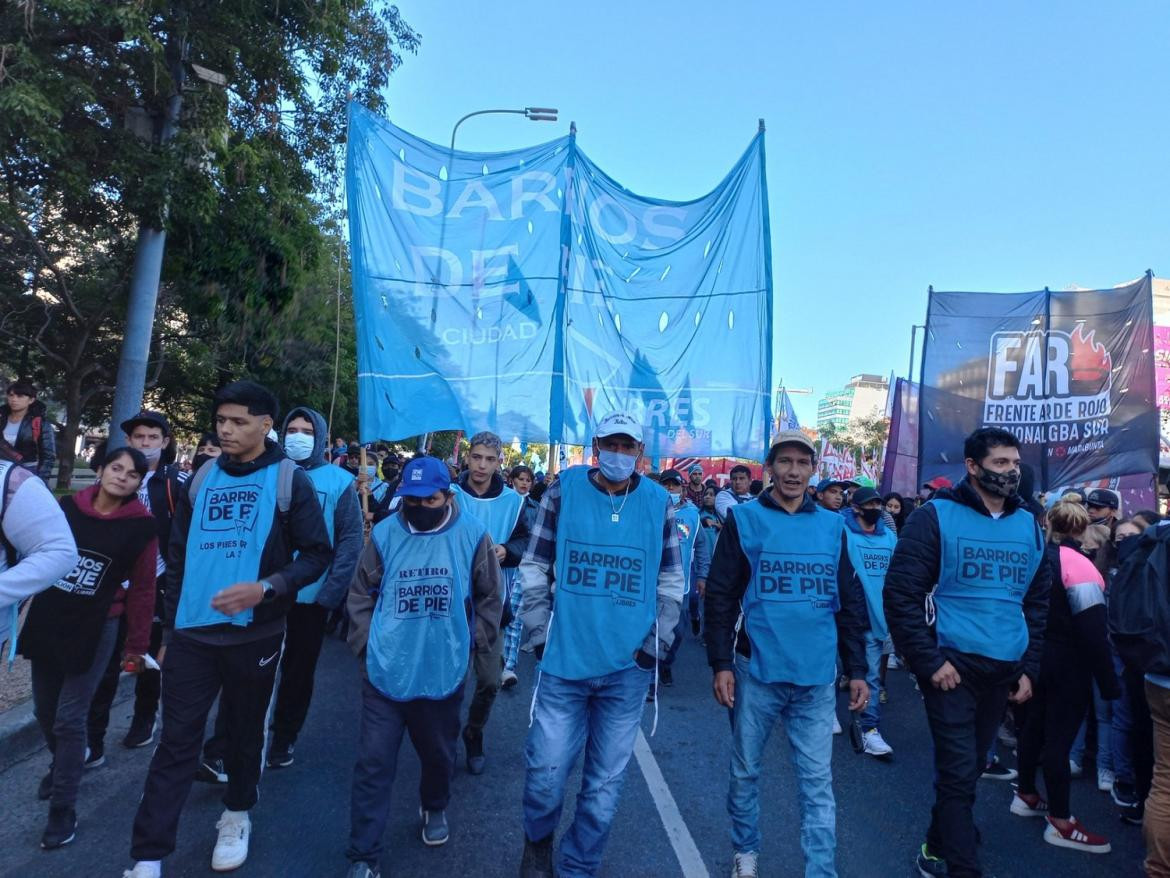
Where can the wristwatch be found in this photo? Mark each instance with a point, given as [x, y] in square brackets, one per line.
[269, 589]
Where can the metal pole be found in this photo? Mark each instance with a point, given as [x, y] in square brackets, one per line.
[144, 282]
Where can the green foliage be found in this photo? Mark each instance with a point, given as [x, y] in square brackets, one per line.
[246, 188]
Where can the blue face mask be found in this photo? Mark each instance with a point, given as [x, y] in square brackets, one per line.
[372, 471]
[615, 466]
[676, 499]
[298, 446]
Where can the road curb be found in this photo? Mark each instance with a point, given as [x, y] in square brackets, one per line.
[20, 736]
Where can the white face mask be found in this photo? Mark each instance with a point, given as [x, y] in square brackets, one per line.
[298, 446]
[152, 454]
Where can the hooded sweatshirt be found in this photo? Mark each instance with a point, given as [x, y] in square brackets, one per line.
[295, 553]
[35, 447]
[64, 622]
[339, 500]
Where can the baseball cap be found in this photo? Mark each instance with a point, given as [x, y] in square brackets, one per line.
[824, 484]
[938, 482]
[670, 475]
[619, 424]
[151, 419]
[1103, 498]
[794, 437]
[423, 476]
[864, 495]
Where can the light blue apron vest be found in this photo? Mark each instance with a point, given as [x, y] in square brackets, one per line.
[330, 482]
[606, 577]
[421, 628]
[231, 518]
[986, 567]
[791, 601]
[499, 515]
[870, 556]
[686, 517]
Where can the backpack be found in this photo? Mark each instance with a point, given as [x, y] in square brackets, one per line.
[1139, 604]
[284, 482]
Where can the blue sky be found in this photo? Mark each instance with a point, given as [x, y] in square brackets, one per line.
[993, 146]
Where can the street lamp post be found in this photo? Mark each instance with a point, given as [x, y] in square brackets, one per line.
[532, 114]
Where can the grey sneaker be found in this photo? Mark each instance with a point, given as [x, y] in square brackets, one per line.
[363, 870]
[745, 865]
[434, 827]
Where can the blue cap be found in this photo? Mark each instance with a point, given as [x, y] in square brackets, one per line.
[423, 476]
[825, 484]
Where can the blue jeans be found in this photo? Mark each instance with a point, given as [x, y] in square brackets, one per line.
[1121, 732]
[807, 713]
[873, 661]
[1103, 712]
[601, 716]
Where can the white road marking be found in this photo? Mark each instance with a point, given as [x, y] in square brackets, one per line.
[684, 846]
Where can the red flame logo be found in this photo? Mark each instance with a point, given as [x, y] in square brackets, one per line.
[1089, 361]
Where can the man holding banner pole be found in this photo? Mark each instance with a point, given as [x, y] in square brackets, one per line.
[482, 494]
[608, 538]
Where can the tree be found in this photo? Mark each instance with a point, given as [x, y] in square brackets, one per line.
[247, 189]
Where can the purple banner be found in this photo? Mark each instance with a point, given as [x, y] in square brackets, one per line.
[900, 468]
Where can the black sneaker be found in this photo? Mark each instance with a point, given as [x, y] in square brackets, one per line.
[1129, 809]
[45, 787]
[211, 771]
[141, 732]
[537, 861]
[996, 770]
[61, 828]
[650, 694]
[473, 742]
[695, 627]
[95, 755]
[930, 866]
[665, 677]
[280, 755]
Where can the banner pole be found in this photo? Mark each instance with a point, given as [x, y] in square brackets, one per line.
[1044, 382]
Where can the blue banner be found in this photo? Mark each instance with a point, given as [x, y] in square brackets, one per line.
[528, 293]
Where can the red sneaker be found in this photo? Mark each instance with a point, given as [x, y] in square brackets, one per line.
[1076, 837]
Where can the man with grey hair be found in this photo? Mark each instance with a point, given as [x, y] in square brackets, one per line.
[481, 493]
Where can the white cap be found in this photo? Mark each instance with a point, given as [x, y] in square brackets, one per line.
[619, 423]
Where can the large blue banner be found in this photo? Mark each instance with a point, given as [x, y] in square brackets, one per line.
[528, 293]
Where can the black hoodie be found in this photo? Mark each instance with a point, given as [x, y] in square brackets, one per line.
[913, 574]
[35, 448]
[296, 553]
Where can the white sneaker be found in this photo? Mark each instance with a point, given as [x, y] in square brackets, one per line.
[1021, 808]
[836, 725]
[1075, 769]
[144, 869]
[745, 865]
[231, 848]
[507, 679]
[893, 663]
[875, 744]
[1105, 779]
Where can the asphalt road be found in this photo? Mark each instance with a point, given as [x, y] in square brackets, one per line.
[301, 823]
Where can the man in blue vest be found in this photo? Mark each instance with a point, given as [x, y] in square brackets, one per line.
[608, 539]
[482, 494]
[871, 543]
[966, 599]
[695, 547]
[427, 587]
[784, 560]
[304, 437]
[236, 562]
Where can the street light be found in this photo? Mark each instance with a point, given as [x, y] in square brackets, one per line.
[532, 114]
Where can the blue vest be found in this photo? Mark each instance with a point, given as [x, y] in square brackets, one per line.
[686, 517]
[986, 567]
[231, 518]
[791, 601]
[499, 515]
[421, 628]
[330, 483]
[606, 577]
[870, 556]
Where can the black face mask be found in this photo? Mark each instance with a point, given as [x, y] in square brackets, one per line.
[198, 461]
[1000, 484]
[869, 516]
[424, 517]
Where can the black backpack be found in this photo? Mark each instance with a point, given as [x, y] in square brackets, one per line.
[1139, 604]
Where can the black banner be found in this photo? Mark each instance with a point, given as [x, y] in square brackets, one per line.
[1070, 373]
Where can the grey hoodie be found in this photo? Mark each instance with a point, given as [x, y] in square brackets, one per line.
[347, 515]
